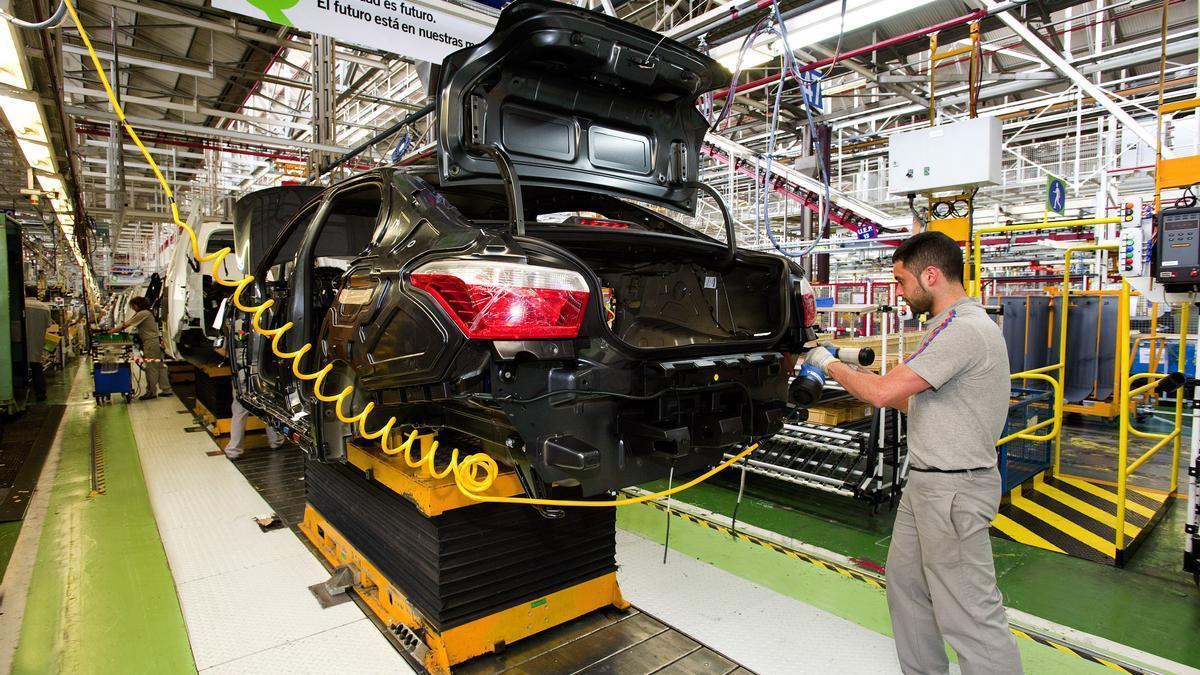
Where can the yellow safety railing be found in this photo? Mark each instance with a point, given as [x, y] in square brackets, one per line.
[1128, 386]
[1059, 368]
[1122, 321]
[975, 286]
[1055, 419]
[1125, 468]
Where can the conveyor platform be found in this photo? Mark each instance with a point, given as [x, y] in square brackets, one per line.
[451, 580]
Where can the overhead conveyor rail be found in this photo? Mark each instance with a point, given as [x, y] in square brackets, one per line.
[846, 211]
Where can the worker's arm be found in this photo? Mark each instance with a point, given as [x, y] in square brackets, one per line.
[882, 391]
[134, 321]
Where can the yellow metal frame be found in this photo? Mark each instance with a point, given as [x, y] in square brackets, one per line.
[1060, 368]
[1125, 468]
[1125, 383]
[453, 646]
[432, 496]
[974, 66]
[220, 426]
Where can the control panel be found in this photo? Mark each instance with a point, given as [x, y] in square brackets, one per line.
[1136, 225]
[1178, 251]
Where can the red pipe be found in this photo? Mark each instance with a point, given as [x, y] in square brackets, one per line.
[202, 144]
[416, 157]
[866, 49]
[257, 83]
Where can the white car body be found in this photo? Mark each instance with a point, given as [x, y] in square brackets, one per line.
[183, 287]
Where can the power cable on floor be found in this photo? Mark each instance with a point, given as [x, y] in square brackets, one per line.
[737, 504]
[667, 536]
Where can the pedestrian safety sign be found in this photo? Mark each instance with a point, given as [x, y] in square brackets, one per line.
[1056, 194]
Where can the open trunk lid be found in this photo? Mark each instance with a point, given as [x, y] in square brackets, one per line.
[576, 99]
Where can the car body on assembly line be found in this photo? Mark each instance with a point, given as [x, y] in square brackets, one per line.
[527, 297]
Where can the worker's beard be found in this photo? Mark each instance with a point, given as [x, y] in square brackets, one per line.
[920, 301]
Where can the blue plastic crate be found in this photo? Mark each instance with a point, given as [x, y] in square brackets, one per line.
[112, 379]
[1168, 359]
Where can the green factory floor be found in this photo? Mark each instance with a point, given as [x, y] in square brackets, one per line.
[101, 597]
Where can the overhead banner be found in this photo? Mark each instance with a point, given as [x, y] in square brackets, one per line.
[426, 31]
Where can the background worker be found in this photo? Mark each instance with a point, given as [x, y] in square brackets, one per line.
[237, 422]
[941, 578]
[157, 379]
[37, 322]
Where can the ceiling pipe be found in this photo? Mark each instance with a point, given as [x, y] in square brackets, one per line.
[1057, 62]
[865, 49]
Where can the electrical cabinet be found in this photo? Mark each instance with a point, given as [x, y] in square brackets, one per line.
[954, 156]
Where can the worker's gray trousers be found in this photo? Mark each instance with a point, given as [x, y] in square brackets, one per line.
[158, 377]
[941, 580]
[237, 428]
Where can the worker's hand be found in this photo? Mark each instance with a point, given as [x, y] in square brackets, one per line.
[819, 357]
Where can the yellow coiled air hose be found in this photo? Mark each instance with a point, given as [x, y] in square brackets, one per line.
[473, 475]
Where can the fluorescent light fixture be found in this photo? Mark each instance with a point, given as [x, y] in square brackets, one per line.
[50, 184]
[12, 60]
[816, 26]
[25, 118]
[37, 155]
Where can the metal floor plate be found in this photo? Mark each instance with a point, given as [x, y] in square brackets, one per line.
[605, 642]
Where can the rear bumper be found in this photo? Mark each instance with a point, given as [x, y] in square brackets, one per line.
[609, 426]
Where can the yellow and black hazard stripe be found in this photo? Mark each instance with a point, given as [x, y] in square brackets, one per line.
[1075, 651]
[791, 553]
[876, 582]
[1078, 517]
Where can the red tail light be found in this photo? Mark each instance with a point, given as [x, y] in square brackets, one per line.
[506, 301]
[809, 301]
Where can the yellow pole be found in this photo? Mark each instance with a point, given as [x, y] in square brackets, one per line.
[1183, 339]
[976, 286]
[1061, 366]
[1123, 436]
[1152, 365]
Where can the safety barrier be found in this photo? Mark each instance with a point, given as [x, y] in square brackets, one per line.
[1129, 386]
[1125, 468]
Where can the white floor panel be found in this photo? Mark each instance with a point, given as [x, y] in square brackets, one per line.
[244, 593]
[763, 630]
[205, 550]
[242, 612]
[321, 654]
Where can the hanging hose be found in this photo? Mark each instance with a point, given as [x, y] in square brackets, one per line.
[402, 147]
[473, 474]
[53, 22]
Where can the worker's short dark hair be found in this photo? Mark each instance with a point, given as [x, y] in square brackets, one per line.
[139, 303]
[931, 249]
[31, 291]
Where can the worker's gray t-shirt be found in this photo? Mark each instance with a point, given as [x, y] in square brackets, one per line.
[956, 422]
[146, 325]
